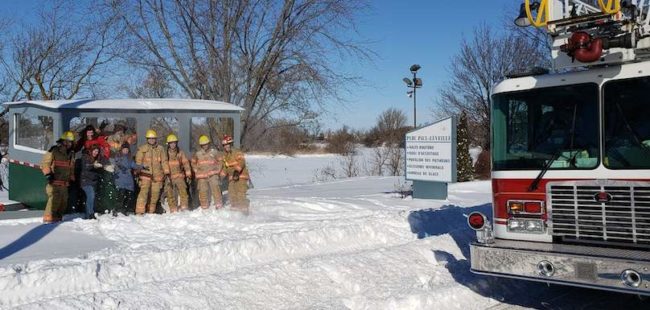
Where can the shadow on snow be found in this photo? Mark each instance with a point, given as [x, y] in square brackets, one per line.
[452, 220]
[26, 240]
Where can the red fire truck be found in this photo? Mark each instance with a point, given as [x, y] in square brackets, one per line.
[571, 154]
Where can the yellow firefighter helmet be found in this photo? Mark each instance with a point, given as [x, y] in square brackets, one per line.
[68, 136]
[172, 138]
[204, 140]
[151, 134]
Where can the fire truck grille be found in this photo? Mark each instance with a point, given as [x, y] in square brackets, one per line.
[609, 214]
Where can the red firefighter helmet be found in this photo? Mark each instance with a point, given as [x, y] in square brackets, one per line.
[226, 140]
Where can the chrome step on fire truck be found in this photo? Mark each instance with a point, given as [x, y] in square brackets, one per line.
[571, 154]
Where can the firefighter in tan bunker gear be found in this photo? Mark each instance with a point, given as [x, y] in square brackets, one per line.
[153, 158]
[180, 171]
[58, 167]
[207, 165]
[237, 172]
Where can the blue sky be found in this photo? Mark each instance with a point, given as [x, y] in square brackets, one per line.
[426, 32]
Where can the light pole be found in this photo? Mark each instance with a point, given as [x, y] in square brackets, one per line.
[415, 84]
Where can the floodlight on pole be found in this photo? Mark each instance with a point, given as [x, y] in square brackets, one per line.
[522, 20]
[414, 83]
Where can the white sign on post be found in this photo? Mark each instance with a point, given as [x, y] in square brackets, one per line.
[431, 153]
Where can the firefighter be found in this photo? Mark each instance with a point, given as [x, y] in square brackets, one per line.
[237, 172]
[58, 168]
[207, 165]
[153, 158]
[180, 175]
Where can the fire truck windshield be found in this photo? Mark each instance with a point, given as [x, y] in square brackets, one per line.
[553, 128]
[627, 124]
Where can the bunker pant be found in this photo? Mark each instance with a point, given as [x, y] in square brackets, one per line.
[176, 190]
[237, 195]
[57, 200]
[148, 196]
[205, 186]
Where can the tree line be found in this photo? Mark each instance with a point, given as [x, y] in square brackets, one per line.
[273, 58]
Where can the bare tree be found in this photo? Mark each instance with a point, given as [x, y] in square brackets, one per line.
[390, 129]
[4, 128]
[391, 120]
[273, 58]
[327, 173]
[396, 161]
[4, 122]
[350, 164]
[156, 84]
[538, 37]
[391, 124]
[379, 160]
[481, 63]
[60, 56]
[341, 141]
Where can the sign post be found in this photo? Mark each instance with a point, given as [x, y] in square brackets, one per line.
[431, 159]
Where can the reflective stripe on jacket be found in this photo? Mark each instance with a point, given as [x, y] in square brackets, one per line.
[235, 161]
[60, 162]
[154, 160]
[207, 163]
[179, 165]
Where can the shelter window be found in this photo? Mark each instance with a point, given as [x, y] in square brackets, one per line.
[213, 127]
[34, 131]
[110, 129]
[165, 126]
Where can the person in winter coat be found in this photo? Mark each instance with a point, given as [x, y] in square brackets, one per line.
[90, 136]
[180, 172]
[92, 165]
[118, 138]
[124, 167]
[207, 164]
[237, 173]
[153, 158]
[58, 168]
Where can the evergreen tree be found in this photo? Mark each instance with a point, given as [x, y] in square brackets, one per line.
[464, 161]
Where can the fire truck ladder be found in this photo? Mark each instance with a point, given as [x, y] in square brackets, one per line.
[591, 32]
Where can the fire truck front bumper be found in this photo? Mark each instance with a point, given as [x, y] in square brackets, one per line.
[619, 270]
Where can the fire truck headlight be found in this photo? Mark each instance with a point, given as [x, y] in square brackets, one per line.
[515, 207]
[526, 226]
[525, 207]
[515, 224]
[535, 226]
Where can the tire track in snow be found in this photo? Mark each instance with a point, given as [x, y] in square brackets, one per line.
[273, 242]
[392, 277]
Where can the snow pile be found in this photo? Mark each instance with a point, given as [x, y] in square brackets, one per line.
[345, 244]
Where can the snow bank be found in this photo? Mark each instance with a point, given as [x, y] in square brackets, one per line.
[345, 244]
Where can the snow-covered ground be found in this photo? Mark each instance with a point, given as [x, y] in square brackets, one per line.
[270, 171]
[350, 243]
